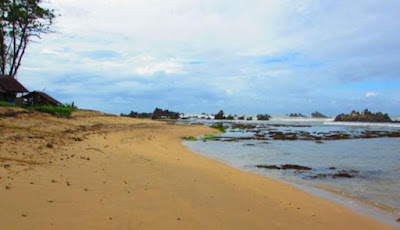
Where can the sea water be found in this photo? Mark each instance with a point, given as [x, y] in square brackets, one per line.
[376, 160]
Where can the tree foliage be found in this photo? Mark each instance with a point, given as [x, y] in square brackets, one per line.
[20, 21]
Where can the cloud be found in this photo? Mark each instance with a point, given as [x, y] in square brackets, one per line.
[371, 94]
[167, 67]
[246, 56]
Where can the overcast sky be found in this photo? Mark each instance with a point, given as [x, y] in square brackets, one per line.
[192, 56]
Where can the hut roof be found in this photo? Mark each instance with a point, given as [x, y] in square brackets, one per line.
[44, 95]
[10, 84]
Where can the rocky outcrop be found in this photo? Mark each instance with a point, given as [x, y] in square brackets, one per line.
[263, 117]
[284, 167]
[157, 114]
[365, 116]
[220, 115]
[340, 174]
[296, 115]
[230, 117]
[318, 115]
[164, 114]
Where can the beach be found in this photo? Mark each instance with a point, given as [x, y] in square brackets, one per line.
[100, 171]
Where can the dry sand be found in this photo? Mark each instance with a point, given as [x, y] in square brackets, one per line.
[96, 171]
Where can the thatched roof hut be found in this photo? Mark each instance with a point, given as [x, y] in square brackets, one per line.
[9, 87]
[40, 98]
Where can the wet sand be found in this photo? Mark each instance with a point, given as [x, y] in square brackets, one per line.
[97, 171]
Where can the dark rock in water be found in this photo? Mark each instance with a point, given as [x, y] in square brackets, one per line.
[241, 118]
[394, 134]
[230, 117]
[283, 136]
[220, 115]
[295, 167]
[284, 167]
[318, 115]
[268, 167]
[243, 126]
[332, 168]
[296, 115]
[340, 174]
[319, 142]
[340, 136]
[365, 116]
[263, 117]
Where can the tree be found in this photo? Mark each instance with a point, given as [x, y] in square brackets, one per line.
[219, 115]
[20, 21]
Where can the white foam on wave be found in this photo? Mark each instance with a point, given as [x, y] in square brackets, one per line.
[301, 119]
[396, 118]
[394, 125]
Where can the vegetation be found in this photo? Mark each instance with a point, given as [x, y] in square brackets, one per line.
[72, 106]
[6, 104]
[60, 111]
[189, 138]
[208, 137]
[20, 21]
[220, 127]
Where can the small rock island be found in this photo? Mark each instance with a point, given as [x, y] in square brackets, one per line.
[318, 115]
[365, 116]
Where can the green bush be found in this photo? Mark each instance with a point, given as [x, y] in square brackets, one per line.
[72, 106]
[189, 138]
[60, 111]
[220, 127]
[208, 137]
[6, 104]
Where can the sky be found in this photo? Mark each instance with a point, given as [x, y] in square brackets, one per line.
[244, 57]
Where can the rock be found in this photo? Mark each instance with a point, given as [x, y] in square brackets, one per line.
[318, 115]
[340, 174]
[219, 115]
[295, 167]
[283, 136]
[365, 116]
[263, 117]
[296, 115]
[230, 117]
[268, 167]
[284, 167]
[243, 126]
[164, 114]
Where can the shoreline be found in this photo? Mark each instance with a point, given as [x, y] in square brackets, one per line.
[379, 212]
[106, 172]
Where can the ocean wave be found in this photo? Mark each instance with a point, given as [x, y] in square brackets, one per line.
[300, 119]
[394, 125]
